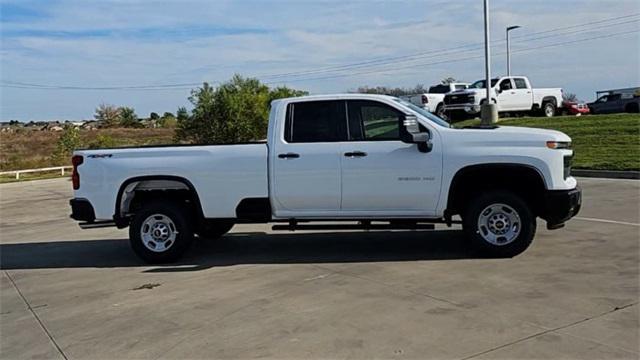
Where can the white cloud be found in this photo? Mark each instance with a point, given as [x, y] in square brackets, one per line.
[110, 43]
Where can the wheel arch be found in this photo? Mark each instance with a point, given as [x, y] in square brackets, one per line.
[127, 190]
[523, 179]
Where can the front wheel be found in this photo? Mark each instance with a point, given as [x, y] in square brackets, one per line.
[499, 224]
[160, 232]
[440, 112]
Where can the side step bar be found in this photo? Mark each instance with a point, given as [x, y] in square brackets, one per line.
[97, 224]
[362, 226]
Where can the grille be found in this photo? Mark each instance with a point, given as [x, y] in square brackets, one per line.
[456, 99]
[567, 166]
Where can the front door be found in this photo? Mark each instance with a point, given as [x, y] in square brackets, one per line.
[382, 175]
[307, 161]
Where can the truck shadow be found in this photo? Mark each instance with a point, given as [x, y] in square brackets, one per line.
[246, 248]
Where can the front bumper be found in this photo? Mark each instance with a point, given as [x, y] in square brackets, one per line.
[468, 108]
[82, 210]
[560, 206]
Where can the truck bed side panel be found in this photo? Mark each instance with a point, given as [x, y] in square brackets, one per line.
[222, 175]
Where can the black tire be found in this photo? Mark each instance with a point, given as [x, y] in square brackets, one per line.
[480, 205]
[215, 228]
[440, 112]
[182, 232]
[549, 109]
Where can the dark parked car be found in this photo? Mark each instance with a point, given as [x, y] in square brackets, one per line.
[615, 103]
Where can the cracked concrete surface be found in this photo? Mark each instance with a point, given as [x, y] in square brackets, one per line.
[69, 293]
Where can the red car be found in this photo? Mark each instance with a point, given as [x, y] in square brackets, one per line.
[574, 108]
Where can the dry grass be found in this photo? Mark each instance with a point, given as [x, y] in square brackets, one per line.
[28, 149]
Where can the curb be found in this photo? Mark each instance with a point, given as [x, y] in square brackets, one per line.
[608, 174]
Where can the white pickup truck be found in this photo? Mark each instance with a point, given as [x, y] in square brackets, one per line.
[375, 160]
[433, 100]
[512, 94]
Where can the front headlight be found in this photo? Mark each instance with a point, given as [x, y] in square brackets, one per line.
[559, 144]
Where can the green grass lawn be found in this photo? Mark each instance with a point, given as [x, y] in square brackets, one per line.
[604, 142]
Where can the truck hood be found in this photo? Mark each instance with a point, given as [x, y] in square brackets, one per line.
[513, 136]
[467, 92]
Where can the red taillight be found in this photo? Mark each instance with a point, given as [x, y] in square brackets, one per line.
[76, 161]
[425, 99]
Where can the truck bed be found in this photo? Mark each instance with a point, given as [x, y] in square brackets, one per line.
[223, 174]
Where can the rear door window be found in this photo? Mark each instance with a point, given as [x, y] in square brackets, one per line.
[316, 121]
[520, 83]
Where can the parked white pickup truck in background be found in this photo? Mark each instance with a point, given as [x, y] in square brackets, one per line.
[373, 159]
[433, 100]
[512, 94]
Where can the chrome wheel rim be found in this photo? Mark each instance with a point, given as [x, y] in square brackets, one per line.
[548, 110]
[158, 233]
[499, 224]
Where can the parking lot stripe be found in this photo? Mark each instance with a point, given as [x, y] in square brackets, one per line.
[607, 221]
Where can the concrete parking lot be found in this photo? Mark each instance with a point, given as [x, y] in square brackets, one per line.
[72, 293]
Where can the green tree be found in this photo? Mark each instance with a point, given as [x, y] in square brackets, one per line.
[128, 118]
[235, 111]
[68, 141]
[154, 116]
[108, 114]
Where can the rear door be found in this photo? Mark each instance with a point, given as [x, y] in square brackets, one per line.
[307, 159]
[506, 100]
[380, 173]
[522, 95]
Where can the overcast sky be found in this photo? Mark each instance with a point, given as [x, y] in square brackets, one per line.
[118, 43]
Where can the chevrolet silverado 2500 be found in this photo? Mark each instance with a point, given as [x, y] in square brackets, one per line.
[376, 160]
[512, 94]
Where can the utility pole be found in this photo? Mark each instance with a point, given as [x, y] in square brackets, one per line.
[509, 48]
[489, 110]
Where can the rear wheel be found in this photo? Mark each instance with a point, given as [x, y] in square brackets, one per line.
[548, 109]
[499, 224]
[160, 232]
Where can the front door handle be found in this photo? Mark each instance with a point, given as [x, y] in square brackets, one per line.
[355, 154]
[289, 156]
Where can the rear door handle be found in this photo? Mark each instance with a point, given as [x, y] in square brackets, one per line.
[289, 156]
[355, 154]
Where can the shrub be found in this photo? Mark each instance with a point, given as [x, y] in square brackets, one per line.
[68, 141]
[102, 141]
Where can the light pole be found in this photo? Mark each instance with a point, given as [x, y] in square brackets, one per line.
[509, 48]
[489, 110]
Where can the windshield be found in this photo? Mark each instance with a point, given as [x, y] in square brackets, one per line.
[424, 113]
[439, 89]
[480, 84]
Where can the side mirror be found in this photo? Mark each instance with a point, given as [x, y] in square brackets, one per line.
[416, 136]
[498, 91]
